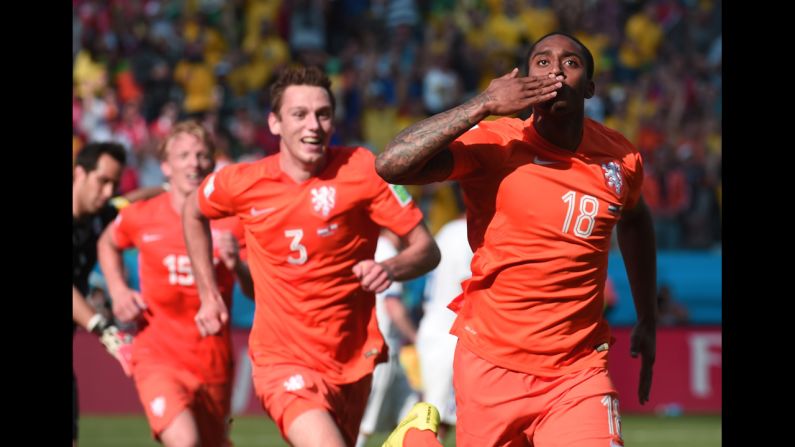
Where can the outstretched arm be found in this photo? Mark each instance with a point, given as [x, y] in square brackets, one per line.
[212, 314]
[636, 241]
[419, 153]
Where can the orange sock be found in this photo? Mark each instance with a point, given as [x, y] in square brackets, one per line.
[420, 438]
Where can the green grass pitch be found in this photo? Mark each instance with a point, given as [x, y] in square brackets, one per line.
[250, 431]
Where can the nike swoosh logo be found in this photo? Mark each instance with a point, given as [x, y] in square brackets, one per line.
[542, 162]
[151, 237]
[255, 212]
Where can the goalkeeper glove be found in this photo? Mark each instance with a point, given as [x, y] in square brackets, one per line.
[117, 343]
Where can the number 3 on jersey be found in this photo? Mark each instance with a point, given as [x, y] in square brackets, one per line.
[584, 224]
[295, 245]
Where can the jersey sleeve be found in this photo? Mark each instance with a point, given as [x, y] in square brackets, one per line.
[467, 152]
[392, 205]
[633, 169]
[124, 228]
[465, 161]
[217, 193]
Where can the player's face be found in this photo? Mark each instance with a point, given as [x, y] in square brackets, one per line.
[561, 55]
[187, 162]
[304, 122]
[95, 188]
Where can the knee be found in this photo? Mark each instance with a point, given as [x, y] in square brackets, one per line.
[186, 438]
[185, 442]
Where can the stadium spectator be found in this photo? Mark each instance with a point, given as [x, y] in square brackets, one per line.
[312, 215]
[184, 380]
[679, 85]
[543, 196]
[643, 35]
[197, 78]
[666, 192]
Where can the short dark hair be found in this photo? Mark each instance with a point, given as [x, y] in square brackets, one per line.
[589, 63]
[299, 76]
[89, 155]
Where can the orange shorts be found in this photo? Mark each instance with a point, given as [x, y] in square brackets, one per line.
[166, 391]
[286, 391]
[500, 407]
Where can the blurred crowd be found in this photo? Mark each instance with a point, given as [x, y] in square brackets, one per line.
[141, 65]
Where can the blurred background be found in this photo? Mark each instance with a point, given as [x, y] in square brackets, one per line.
[141, 65]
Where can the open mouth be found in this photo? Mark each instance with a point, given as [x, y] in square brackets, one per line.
[195, 177]
[311, 140]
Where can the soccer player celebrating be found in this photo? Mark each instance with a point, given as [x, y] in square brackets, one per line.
[183, 379]
[312, 215]
[543, 196]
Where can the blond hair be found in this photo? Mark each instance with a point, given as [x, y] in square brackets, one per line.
[189, 127]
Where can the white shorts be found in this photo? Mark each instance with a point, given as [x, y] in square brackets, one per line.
[390, 400]
[436, 350]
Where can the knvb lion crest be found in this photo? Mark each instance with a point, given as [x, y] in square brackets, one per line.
[613, 176]
[323, 199]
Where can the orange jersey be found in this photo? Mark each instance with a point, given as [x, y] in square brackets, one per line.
[539, 223]
[169, 334]
[303, 241]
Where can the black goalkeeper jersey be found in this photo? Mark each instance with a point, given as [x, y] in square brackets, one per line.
[85, 233]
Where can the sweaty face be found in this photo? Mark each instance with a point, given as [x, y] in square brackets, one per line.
[96, 187]
[560, 55]
[187, 162]
[304, 123]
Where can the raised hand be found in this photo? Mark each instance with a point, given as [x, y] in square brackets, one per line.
[512, 93]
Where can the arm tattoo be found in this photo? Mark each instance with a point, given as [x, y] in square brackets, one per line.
[417, 154]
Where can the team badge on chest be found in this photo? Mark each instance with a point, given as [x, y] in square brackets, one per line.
[613, 176]
[323, 199]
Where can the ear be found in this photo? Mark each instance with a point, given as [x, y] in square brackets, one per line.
[166, 168]
[590, 89]
[79, 174]
[274, 123]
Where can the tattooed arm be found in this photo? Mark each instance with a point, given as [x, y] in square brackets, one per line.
[419, 153]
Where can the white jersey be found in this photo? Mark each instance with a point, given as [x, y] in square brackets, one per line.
[435, 344]
[444, 283]
[385, 250]
[391, 397]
